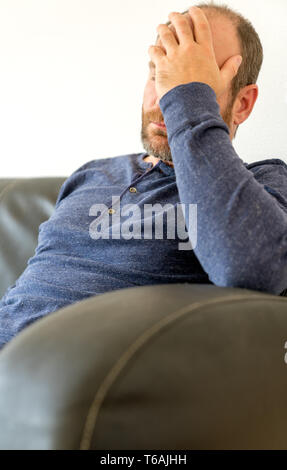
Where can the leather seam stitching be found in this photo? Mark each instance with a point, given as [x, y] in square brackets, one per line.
[121, 363]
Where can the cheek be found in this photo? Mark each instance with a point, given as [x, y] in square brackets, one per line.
[149, 94]
[223, 101]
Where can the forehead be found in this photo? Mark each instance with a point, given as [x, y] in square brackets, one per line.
[225, 41]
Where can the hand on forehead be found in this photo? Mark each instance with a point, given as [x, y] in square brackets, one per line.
[188, 17]
[225, 42]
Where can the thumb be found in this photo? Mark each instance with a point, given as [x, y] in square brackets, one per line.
[230, 68]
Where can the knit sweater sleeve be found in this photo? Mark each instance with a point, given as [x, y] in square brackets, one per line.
[241, 213]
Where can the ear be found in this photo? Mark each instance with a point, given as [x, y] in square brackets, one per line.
[244, 103]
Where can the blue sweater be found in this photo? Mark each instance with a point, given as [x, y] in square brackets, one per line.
[237, 237]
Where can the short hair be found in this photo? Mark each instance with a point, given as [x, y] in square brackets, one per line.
[251, 48]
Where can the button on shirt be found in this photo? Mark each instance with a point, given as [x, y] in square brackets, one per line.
[103, 234]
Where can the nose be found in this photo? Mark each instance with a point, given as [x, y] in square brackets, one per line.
[154, 96]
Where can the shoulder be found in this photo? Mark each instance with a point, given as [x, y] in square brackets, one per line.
[272, 174]
[99, 169]
[107, 162]
[269, 170]
[268, 165]
[96, 163]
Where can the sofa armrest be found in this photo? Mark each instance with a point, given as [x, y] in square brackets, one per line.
[175, 366]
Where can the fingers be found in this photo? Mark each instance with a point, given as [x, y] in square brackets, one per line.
[183, 29]
[167, 37]
[155, 53]
[202, 31]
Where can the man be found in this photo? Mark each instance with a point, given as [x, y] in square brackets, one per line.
[237, 236]
[226, 44]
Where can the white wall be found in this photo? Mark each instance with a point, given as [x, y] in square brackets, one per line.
[72, 74]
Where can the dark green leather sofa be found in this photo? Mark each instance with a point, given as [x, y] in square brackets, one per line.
[156, 367]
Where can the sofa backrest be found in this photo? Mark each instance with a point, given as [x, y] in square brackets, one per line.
[24, 204]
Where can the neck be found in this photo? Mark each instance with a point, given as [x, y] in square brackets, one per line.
[154, 160]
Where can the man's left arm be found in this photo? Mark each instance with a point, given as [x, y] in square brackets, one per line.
[241, 227]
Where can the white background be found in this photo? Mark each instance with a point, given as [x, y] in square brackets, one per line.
[72, 74]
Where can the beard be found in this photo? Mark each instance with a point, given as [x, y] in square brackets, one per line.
[155, 141]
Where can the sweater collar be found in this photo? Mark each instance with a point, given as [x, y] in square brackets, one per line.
[166, 169]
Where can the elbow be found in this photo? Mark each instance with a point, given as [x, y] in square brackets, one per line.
[271, 279]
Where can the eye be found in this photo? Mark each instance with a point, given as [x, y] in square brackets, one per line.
[151, 72]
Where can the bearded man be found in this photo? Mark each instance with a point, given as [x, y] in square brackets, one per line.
[201, 87]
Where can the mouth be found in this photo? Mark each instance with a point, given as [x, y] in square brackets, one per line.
[159, 124]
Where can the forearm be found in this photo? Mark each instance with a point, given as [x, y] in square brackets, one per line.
[241, 229]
